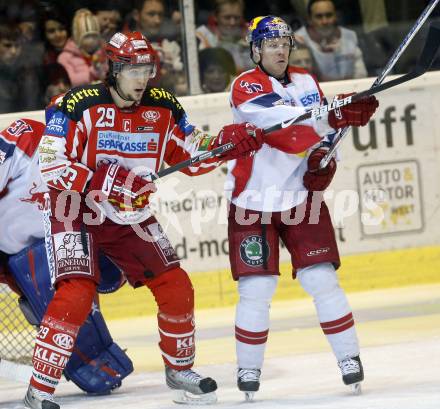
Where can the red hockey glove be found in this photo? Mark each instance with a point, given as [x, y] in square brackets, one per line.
[316, 179]
[122, 188]
[355, 114]
[245, 137]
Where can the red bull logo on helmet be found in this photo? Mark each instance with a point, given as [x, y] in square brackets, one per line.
[267, 27]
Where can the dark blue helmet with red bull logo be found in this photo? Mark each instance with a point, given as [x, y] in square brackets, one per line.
[266, 27]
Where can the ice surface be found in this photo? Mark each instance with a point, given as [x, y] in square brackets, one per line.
[400, 353]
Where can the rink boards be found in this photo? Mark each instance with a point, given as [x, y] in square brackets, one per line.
[383, 200]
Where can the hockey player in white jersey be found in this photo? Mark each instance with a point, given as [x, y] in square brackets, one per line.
[270, 188]
[21, 186]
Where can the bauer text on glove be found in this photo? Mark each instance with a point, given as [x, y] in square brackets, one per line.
[355, 114]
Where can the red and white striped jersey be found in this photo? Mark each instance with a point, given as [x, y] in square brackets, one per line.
[271, 180]
[87, 129]
[21, 187]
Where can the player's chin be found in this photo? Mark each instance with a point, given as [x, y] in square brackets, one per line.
[137, 94]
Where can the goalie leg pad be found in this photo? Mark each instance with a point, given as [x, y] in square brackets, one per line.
[97, 364]
[30, 271]
[111, 276]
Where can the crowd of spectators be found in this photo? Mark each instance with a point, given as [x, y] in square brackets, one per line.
[46, 47]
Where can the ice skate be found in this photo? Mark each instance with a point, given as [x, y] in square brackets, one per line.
[36, 399]
[248, 381]
[352, 373]
[191, 388]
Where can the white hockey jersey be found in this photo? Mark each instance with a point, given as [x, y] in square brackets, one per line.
[21, 186]
[271, 180]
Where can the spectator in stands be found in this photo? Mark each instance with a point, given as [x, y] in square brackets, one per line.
[83, 56]
[226, 28]
[217, 69]
[334, 48]
[302, 57]
[109, 18]
[55, 35]
[176, 83]
[181, 87]
[20, 88]
[30, 40]
[149, 18]
[27, 23]
[57, 81]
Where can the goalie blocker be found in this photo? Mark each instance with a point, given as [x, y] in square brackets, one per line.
[97, 364]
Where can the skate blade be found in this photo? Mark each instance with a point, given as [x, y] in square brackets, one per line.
[188, 398]
[356, 389]
[249, 396]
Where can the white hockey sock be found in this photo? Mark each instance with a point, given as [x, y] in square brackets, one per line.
[334, 312]
[252, 319]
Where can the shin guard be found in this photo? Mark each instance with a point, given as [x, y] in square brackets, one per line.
[175, 299]
[334, 312]
[53, 347]
[252, 319]
[58, 331]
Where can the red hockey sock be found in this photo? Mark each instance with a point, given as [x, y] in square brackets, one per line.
[58, 331]
[174, 296]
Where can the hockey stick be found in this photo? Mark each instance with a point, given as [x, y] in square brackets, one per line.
[193, 160]
[423, 64]
[15, 372]
[392, 61]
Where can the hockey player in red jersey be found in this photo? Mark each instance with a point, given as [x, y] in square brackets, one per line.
[98, 365]
[99, 146]
[272, 194]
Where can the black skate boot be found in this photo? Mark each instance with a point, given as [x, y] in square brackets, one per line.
[248, 381]
[352, 373]
[36, 399]
[190, 387]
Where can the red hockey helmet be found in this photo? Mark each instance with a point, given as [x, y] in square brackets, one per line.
[130, 48]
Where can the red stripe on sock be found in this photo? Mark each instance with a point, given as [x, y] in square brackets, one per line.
[251, 334]
[40, 387]
[335, 323]
[251, 341]
[340, 328]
